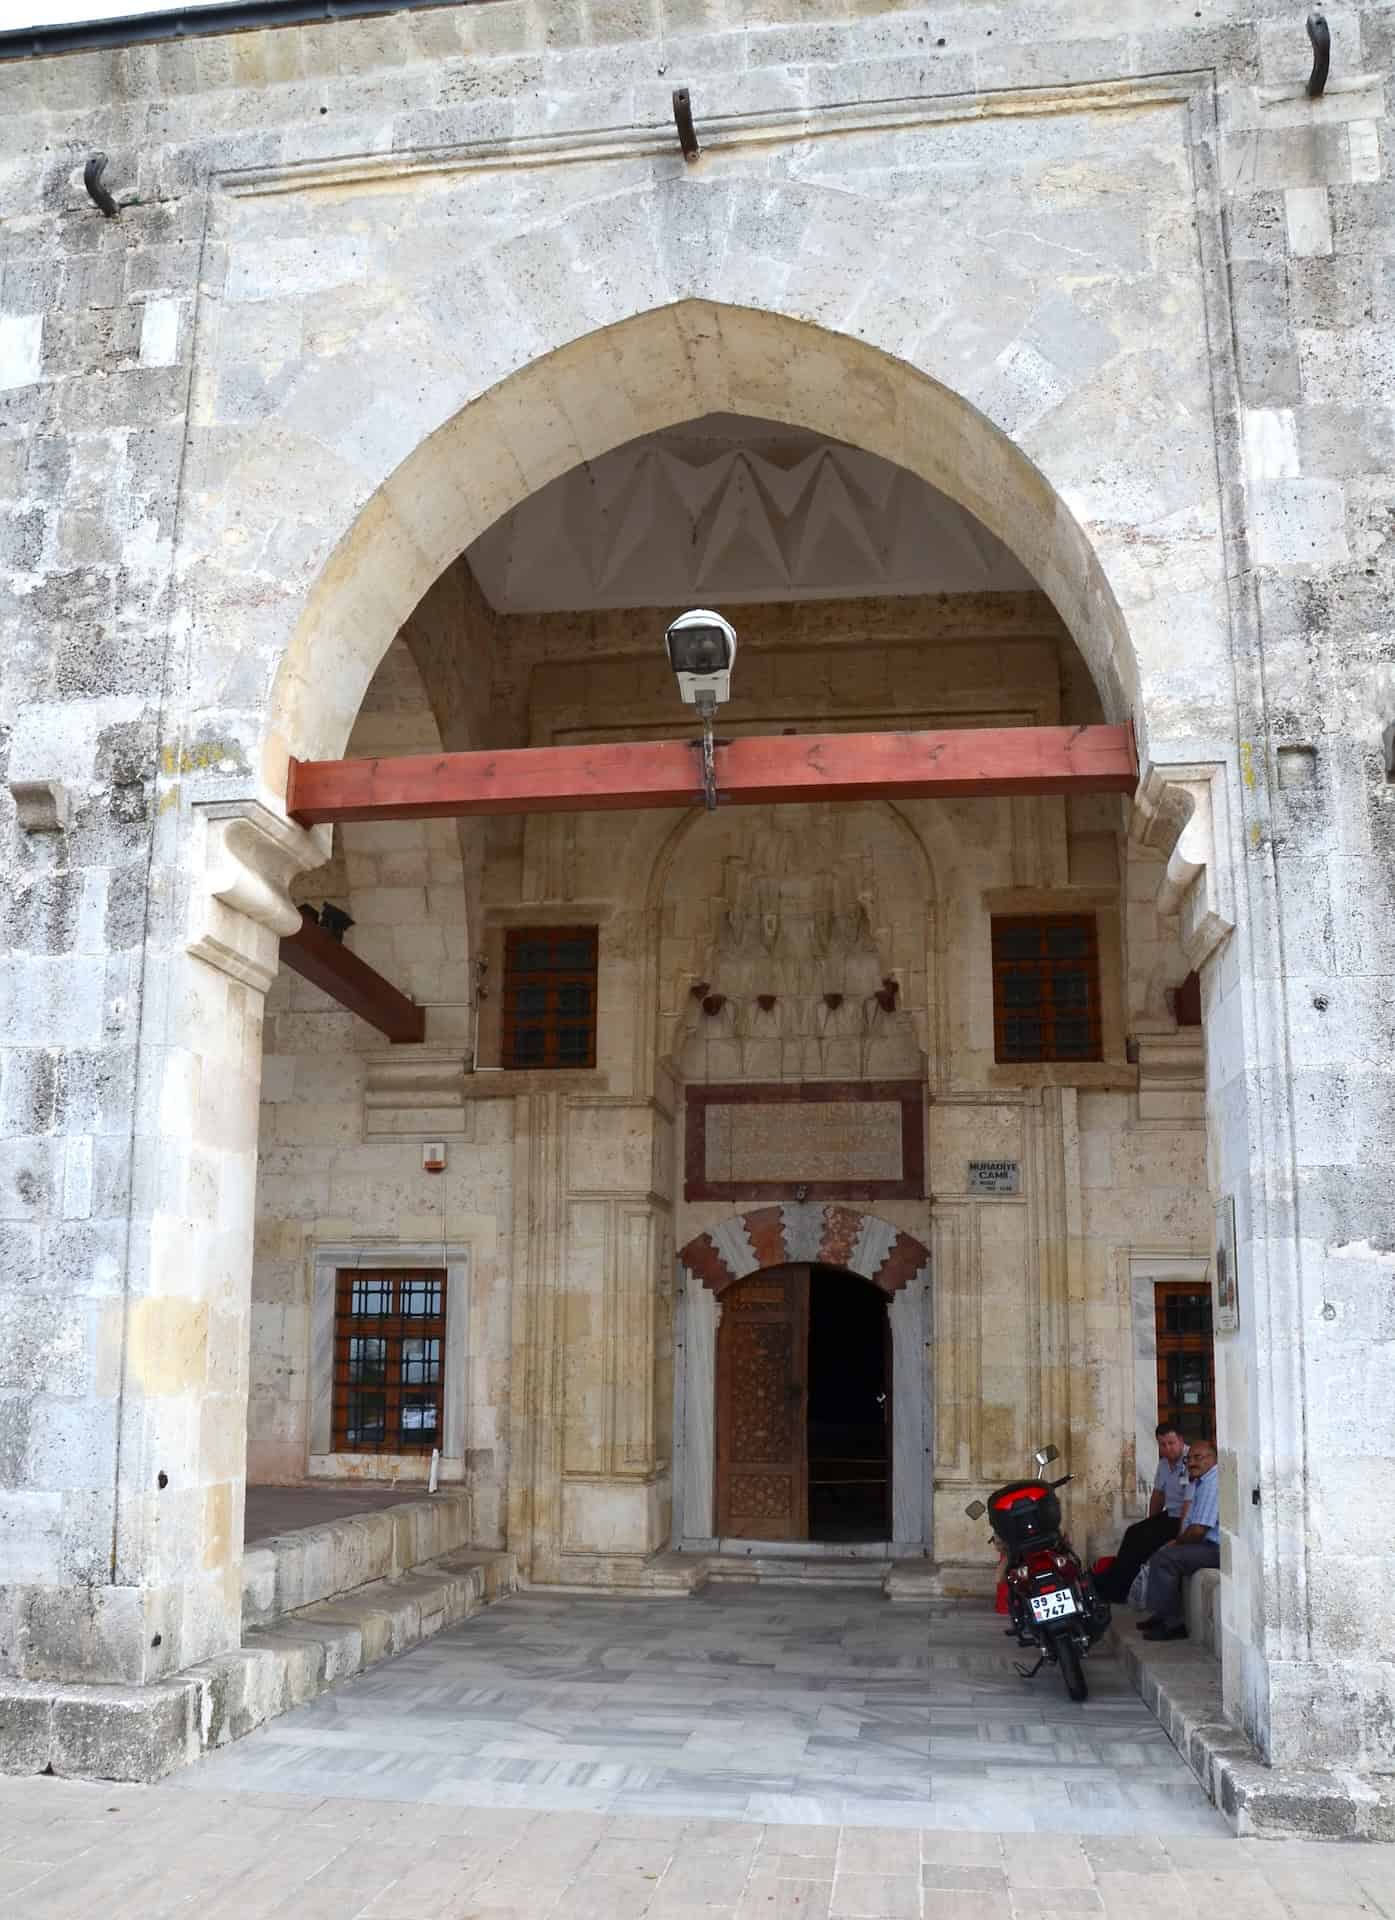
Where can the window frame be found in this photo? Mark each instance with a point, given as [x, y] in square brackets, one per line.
[552, 979]
[1168, 1344]
[328, 1257]
[1048, 967]
[393, 1329]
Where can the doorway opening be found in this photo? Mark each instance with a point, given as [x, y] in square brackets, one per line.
[849, 1427]
[804, 1408]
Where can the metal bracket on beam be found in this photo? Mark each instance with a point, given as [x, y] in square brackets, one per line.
[707, 752]
[683, 120]
[1321, 36]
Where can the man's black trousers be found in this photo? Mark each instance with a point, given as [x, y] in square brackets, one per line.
[1140, 1543]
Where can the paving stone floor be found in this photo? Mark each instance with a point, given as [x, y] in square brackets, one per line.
[69, 1851]
[754, 1704]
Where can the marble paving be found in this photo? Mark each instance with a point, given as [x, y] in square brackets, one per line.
[755, 1704]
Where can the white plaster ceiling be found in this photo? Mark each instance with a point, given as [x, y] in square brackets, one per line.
[727, 508]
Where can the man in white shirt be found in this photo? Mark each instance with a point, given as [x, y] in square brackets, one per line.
[1144, 1537]
[1197, 1545]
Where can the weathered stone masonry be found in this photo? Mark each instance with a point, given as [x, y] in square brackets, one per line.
[1120, 289]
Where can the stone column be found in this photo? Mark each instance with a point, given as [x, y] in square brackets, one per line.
[126, 1557]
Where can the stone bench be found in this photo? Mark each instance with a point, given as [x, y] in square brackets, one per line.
[1201, 1599]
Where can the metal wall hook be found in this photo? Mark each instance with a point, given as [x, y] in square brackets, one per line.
[683, 120]
[92, 180]
[1321, 36]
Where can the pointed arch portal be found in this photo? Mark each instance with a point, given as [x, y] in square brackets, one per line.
[785, 1245]
[652, 370]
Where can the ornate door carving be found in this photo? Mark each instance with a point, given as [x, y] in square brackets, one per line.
[762, 1407]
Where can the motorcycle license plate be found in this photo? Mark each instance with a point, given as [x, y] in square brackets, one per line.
[1052, 1606]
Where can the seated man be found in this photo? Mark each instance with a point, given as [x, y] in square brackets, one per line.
[1197, 1545]
[1144, 1537]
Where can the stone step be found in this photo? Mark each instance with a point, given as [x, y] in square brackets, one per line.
[291, 1571]
[142, 1733]
[1180, 1682]
[793, 1570]
[913, 1582]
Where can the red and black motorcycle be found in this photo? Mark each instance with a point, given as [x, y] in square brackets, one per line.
[1052, 1602]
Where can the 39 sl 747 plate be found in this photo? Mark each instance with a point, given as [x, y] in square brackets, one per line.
[1051, 1606]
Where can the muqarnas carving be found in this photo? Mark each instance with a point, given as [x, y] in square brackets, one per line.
[794, 983]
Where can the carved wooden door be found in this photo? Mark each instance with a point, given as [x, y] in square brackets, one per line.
[762, 1407]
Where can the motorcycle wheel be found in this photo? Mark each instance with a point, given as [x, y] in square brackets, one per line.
[1071, 1670]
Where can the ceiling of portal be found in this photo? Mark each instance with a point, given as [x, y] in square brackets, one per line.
[726, 508]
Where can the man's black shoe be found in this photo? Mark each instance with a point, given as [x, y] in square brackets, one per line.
[1145, 1626]
[1179, 1632]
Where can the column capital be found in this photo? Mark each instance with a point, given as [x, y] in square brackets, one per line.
[1180, 812]
[241, 906]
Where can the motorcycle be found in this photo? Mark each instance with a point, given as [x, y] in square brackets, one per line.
[1052, 1602]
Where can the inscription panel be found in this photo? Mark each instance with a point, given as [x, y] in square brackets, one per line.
[834, 1141]
[818, 1140]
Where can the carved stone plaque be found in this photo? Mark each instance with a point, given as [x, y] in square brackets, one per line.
[806, 1140]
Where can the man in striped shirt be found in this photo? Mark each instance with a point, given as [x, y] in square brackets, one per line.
[1198, 1544]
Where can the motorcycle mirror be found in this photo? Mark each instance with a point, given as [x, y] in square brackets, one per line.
[1045, 1455]
[975, 1509]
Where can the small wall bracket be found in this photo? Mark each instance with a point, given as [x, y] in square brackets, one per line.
[41, 806]
[1321, 36]
[100, 195]
[683, 120]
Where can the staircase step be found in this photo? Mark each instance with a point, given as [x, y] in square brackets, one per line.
[294, 1570]
[143, 1733]
[912, 1582]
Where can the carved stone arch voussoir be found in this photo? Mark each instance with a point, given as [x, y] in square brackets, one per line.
[832, 1235]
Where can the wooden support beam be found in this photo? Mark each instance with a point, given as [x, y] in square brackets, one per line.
[954, 763]
[314, 955]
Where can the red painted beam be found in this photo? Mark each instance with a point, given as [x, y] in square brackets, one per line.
[352, 982]
[955, 763]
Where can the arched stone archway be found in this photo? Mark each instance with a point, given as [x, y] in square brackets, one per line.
[830, 1235]
[656, 369]
[835, 1235]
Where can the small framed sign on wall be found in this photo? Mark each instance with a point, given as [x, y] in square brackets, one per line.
[1227, 1267]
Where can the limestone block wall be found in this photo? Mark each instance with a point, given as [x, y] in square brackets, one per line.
[334, 1165]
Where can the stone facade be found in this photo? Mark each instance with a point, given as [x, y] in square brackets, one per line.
[1119, 290]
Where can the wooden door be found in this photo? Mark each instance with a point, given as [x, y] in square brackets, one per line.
[763, 1407]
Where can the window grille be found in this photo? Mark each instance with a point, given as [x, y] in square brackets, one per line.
[1046, 988]
[549, 1014]
[389, 1359]
[1186, 1358]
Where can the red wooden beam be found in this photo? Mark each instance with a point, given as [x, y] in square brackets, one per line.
[352, 982]
[955, 763]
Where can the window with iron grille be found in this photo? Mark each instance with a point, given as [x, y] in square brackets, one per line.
[389, 1359]
[1186, 1358]
[549, 1014]
[1046, 988]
